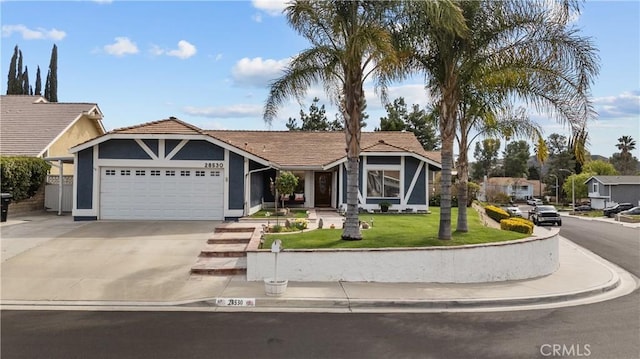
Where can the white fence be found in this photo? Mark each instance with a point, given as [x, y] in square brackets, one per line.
[52, 189]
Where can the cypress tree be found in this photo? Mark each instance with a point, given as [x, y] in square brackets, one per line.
[25, 81]
[52, 76]
[38, 91]
[47, 86]
[12, 77]
[18, 88]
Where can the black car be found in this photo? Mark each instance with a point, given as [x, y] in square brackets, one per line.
[612, 211]
[584, 208]
[545, 214]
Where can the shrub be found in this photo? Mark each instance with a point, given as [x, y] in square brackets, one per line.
[516, 224]
[300, 224]
[496, 213]
[22, 176]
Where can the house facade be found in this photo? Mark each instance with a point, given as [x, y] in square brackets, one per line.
[171, 170]
[605, 191]
[33, 127]
[516, 188]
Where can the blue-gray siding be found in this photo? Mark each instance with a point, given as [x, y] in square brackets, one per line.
[200, 150]
[236, 180]
[169, 145]
[257, 188]
[84, 196]
[419, 190]
[122, 149]
[384, 160]
[153, 145]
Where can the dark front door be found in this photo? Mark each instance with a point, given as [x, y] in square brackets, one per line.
[322, 188]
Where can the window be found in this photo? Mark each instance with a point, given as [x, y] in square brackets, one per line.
[383, 184]
[155, 172]
[110, 172]
[300, 186]
[215, 173]
[141, 172]
[199, 173]
[185, 173]
[595, 187]
[170, 173]
[125, 173]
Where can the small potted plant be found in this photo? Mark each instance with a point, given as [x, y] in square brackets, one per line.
[384, 206]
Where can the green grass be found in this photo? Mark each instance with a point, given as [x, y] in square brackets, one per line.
[594, 213]
[398, 230]
[294, 213]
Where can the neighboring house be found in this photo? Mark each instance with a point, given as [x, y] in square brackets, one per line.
[172, 170]
[605, 191]
[516, 188]
[31, 126]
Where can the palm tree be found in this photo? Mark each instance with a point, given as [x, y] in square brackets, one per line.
[626, 144]
[350, 42]
[516, 50]
[486, 121]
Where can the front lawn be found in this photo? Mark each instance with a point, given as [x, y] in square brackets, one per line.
[397, 230]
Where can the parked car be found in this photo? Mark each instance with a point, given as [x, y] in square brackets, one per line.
[631, 212]
[513, 211]
[545, 214]
[584, 208]
[534, 201]
[612, 211]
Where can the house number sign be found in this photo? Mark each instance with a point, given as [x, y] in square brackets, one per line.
[214, 165]
[236, 302]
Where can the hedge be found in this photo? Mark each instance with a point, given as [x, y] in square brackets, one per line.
[22, 176]
[517, 224]
[496, 213]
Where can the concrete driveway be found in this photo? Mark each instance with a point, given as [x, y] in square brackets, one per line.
[46, 257]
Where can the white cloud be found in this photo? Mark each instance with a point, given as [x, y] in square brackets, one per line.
[122, 46]
[184, 51]
[30, 34]
[234, 111]
[271, 7]
[624, 105]
[257, 18]
[103, 1]
[257, 72]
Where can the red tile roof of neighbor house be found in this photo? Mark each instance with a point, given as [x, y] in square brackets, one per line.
[29, 124]
[292, 148]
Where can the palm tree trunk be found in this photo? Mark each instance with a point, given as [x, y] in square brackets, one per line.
[462, 189]
[447, 131]
[354, 101]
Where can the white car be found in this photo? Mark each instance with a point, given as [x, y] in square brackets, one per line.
[514, 211]
[534, 202]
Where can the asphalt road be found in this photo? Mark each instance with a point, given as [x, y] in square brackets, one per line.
[603, 330]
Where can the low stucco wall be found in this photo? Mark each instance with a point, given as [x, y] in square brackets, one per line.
[522, 259]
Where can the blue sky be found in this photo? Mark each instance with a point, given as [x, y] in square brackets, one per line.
[209, 62]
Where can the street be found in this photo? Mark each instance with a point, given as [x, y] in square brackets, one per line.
[603, 330]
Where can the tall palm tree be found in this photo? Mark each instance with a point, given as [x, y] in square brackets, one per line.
[516, 49]
[626, 144]
[350, 42]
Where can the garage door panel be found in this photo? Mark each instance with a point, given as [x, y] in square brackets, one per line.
[172, 194]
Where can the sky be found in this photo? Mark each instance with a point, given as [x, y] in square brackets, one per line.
[209, 63]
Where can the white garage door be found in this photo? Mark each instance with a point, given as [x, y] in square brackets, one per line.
[161, 193]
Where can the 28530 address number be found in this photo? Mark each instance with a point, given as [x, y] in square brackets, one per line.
[214, 165]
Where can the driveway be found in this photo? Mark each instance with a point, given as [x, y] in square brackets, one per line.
[51, 258]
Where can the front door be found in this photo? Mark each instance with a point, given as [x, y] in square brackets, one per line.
[322, 189]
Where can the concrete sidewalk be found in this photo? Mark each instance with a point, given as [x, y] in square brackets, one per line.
[92, 267]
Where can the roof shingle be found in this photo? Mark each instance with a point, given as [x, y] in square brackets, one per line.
[28, 124]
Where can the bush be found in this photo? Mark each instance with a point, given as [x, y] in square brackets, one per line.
[517, 224]
[299, 224]
[496, 213]
[22, 176]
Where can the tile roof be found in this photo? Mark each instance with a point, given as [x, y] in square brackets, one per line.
[169, 126]
[28, 124]
[317, 148]
[616, 180]
[291, 148]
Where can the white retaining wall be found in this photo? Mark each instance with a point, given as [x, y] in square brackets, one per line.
[521, 259]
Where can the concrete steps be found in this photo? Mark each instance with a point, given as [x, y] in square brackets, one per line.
[225, 252]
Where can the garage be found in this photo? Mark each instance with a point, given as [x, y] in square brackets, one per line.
[139, 193]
